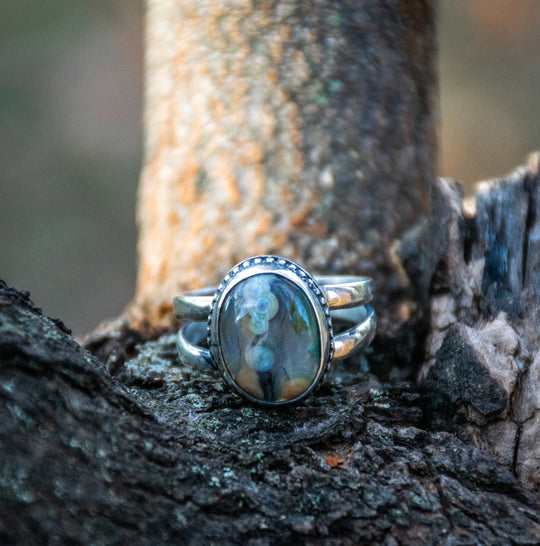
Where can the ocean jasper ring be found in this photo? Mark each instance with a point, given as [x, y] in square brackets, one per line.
[268, 327]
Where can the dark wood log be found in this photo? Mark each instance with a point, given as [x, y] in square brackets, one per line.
[160, 454]
[483, 351]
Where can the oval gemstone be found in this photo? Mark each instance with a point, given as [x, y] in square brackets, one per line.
[270, 338]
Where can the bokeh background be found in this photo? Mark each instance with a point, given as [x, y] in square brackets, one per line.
[71, 134]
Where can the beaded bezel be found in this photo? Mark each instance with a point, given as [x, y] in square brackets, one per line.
[303, 280]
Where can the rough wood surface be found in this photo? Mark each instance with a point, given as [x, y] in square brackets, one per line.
[160, 454]
[301, 129]
[483, 351]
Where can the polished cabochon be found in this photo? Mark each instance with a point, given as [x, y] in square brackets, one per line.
[270, 331]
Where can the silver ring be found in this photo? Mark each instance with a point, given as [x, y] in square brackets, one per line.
[269, 330]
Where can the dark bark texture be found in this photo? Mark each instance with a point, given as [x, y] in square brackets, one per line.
[482, 364]
[147, 451]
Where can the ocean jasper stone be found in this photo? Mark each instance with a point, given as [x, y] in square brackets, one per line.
[270, 338]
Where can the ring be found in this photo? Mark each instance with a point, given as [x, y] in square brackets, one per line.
[269, 330]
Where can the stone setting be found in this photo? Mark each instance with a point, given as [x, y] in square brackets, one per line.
[269, 331]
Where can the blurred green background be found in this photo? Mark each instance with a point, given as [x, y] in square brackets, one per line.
[71, 134]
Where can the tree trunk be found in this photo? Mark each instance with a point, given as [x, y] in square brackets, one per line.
[300, 129]
[161, 454]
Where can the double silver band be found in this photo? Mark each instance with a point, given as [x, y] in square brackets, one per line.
[347, 298]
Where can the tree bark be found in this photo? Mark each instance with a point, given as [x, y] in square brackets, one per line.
[161, 454]
[483, 350]
[300, 129]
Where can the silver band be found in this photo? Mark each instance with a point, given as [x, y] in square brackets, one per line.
[268, 328]
[347, 297]
[340, 291]
[346, 344]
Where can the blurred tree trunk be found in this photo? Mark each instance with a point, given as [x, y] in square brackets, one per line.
[302, 129]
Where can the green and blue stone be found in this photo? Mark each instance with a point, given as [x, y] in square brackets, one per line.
[270, 338]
